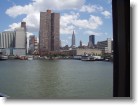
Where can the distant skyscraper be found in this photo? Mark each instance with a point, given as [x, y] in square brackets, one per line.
[49, 32]
[81, 43]
[91, 41]
[73, 40]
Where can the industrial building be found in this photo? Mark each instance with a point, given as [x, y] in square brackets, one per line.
[13, 42]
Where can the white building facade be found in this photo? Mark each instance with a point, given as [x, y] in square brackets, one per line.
[20, 41]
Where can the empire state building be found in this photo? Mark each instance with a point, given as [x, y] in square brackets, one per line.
[73, 40]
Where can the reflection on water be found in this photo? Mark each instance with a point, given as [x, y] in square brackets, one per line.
[56, 79]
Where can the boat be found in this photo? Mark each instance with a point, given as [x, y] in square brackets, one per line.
[98, 58]
[77, 57]
[30, 57]
[3, 57]
[91, 58]
[45, 57]
[3, 95]
[87, 58]
[51, 58]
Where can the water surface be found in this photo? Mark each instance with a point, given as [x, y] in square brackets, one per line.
[56, 79]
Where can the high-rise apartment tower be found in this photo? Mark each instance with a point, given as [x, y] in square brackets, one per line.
[49, 34]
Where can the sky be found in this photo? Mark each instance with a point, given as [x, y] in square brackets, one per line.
[85, 17]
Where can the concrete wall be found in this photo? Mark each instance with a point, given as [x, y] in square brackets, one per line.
[19, 52]
[20, 38]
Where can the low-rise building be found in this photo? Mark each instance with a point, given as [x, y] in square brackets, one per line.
[105, 46]
[88, 51]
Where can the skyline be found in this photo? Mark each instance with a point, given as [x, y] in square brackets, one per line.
[85, 17]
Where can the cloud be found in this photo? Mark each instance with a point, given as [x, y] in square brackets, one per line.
[13, 26]
[68, 22]
[32, 21]
[89, 32]
[64, 42]
[67, 30]
[32, 12]
[29, 34]
[42, 5]
[91, 8]
[92, 23]
[71, 21]
[107, 14]
[19, 10]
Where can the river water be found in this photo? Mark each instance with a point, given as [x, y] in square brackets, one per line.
[44, 79]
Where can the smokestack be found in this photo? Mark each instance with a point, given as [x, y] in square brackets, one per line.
[49, 11]
[23, 25]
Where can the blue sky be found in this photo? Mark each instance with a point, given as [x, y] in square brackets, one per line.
[86, 17]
